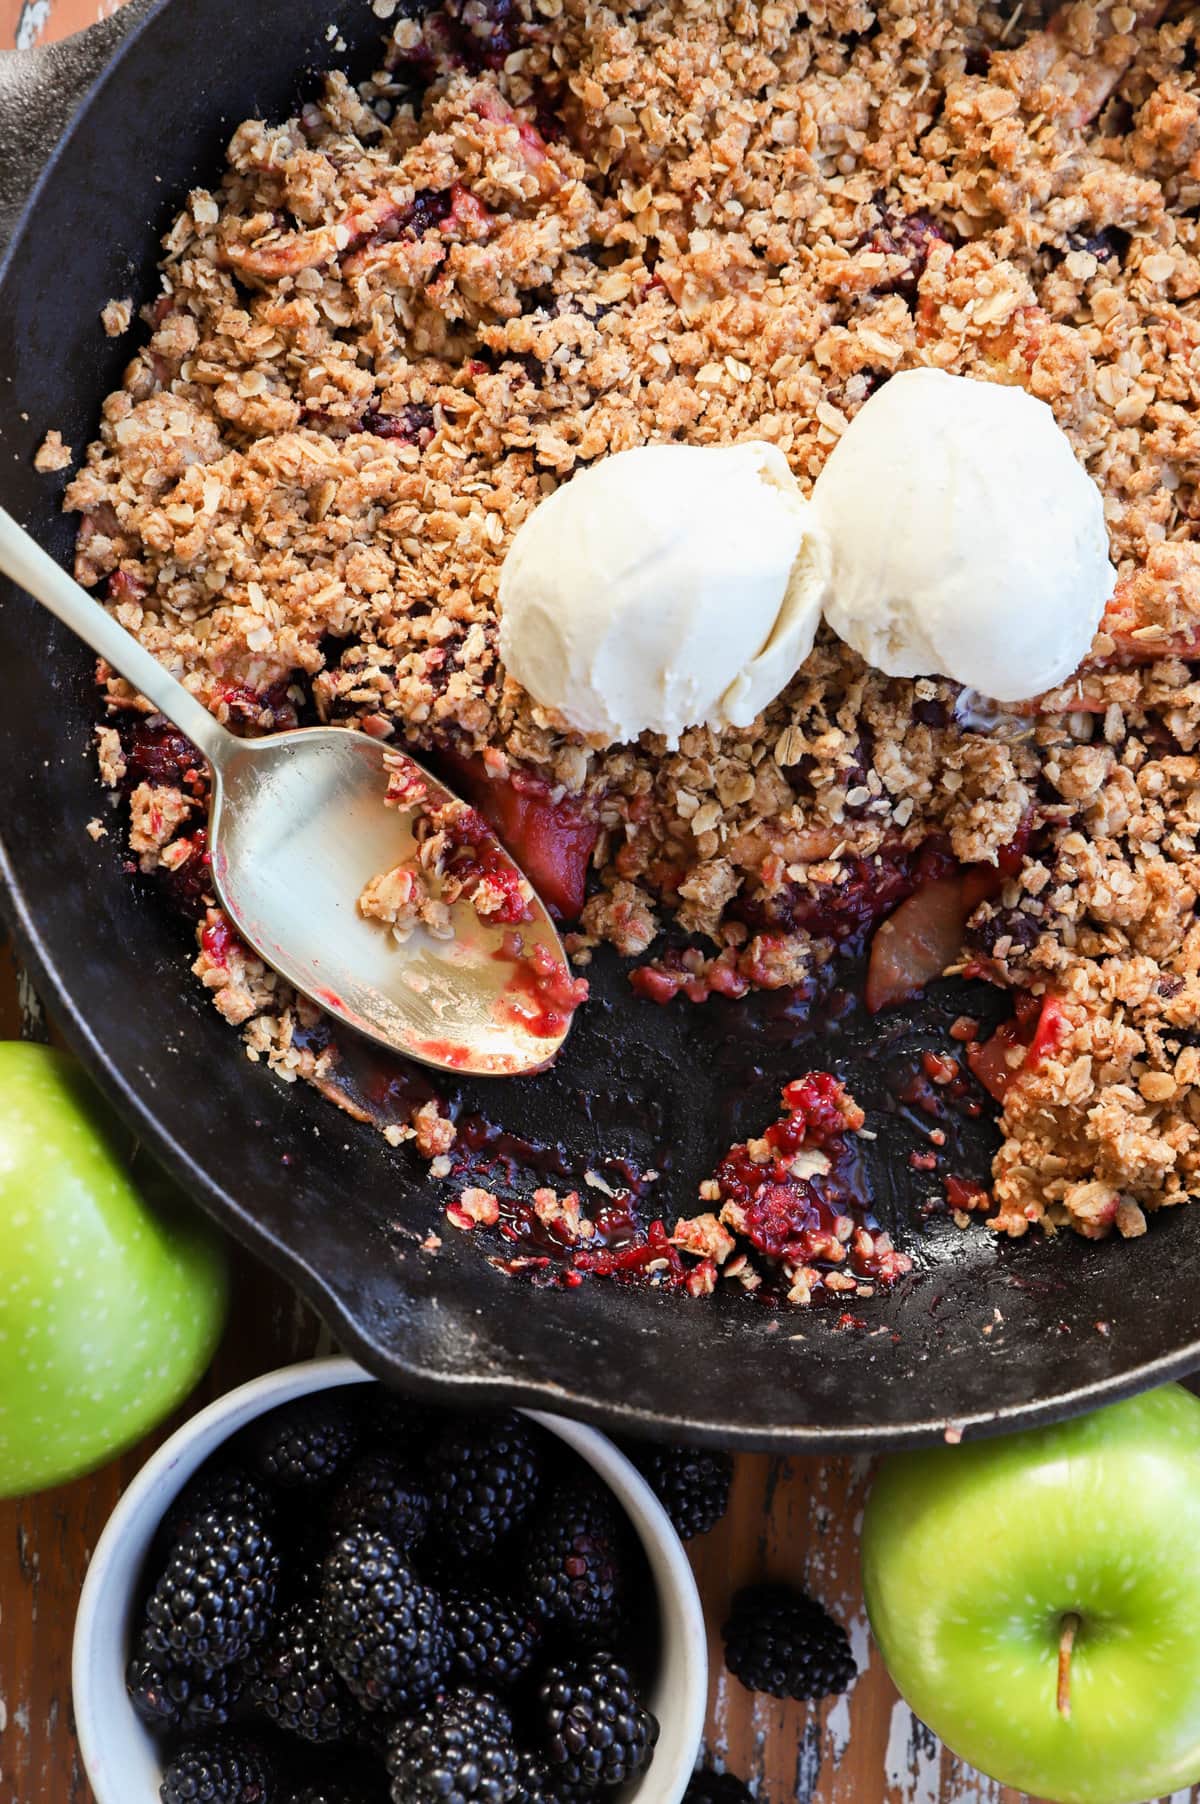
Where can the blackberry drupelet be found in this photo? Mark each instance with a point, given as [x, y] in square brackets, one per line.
[293, 1681]
[691, 1483]
[574, 1566]
[215, 1598]
[214, 1700]
[222, 1488]
[380, 1491]
[167, 1697]
[306, 1444]
[458, 1751]
[783, 1642]
[492, 1641]
[484, 1475]
[382, 1626]
[716, 1788]
[223, 1769]
[596, 1730]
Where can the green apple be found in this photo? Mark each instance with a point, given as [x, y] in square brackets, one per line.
[109, 1307]
[1037, 1599]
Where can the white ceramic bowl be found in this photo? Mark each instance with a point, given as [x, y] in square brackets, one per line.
[118, 1752]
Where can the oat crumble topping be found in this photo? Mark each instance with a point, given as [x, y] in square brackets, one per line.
[543, 235]
[117, 317]
[52, 454]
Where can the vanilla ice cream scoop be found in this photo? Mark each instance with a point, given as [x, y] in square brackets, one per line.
[967, 540]
[665, 587]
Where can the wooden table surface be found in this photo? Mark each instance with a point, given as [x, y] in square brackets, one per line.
[797, 1518]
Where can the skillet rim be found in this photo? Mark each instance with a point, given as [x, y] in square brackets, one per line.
[236, 1218]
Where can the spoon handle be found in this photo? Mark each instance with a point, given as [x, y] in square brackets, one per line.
[33, 570]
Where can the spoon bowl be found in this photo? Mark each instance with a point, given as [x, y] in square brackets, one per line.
[297, 828]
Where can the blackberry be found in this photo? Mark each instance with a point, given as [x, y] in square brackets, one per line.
[413, 425]
[224, 1769]
[459, 1750]
[931, 713]
[293, 1681]
[995, 924]
[596, 1729]
[716, 1788]
[1108, 243]
[911, 236]
[220, 1488]
[574, 1568]
[157, 752]
[379, 1491]
[167, 1697]
[783, 1642]
[484, 1474]
[382, 1626]
[215, 1597]
[691, 1483]
[491, 1641]
[307, 1443]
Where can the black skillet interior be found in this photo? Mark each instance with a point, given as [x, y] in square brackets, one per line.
[979, 1335]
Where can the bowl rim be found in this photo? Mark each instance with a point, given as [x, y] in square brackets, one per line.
[106, 1599]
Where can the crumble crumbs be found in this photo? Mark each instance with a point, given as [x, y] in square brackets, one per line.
[793, 1218]
[156, 811]
[402, 899]
[435, 1132]
[408, 313]
[457, 850]
[474, 1208]
[53, 454]
[117, 317]
[110, 756]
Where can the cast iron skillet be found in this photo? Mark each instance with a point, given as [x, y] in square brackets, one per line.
[980, 1337]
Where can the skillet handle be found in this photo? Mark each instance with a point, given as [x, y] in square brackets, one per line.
[40, 90]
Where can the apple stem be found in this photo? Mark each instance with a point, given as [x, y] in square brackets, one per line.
[1066, 1644]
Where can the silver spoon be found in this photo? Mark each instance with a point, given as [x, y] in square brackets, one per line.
[297, 828]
